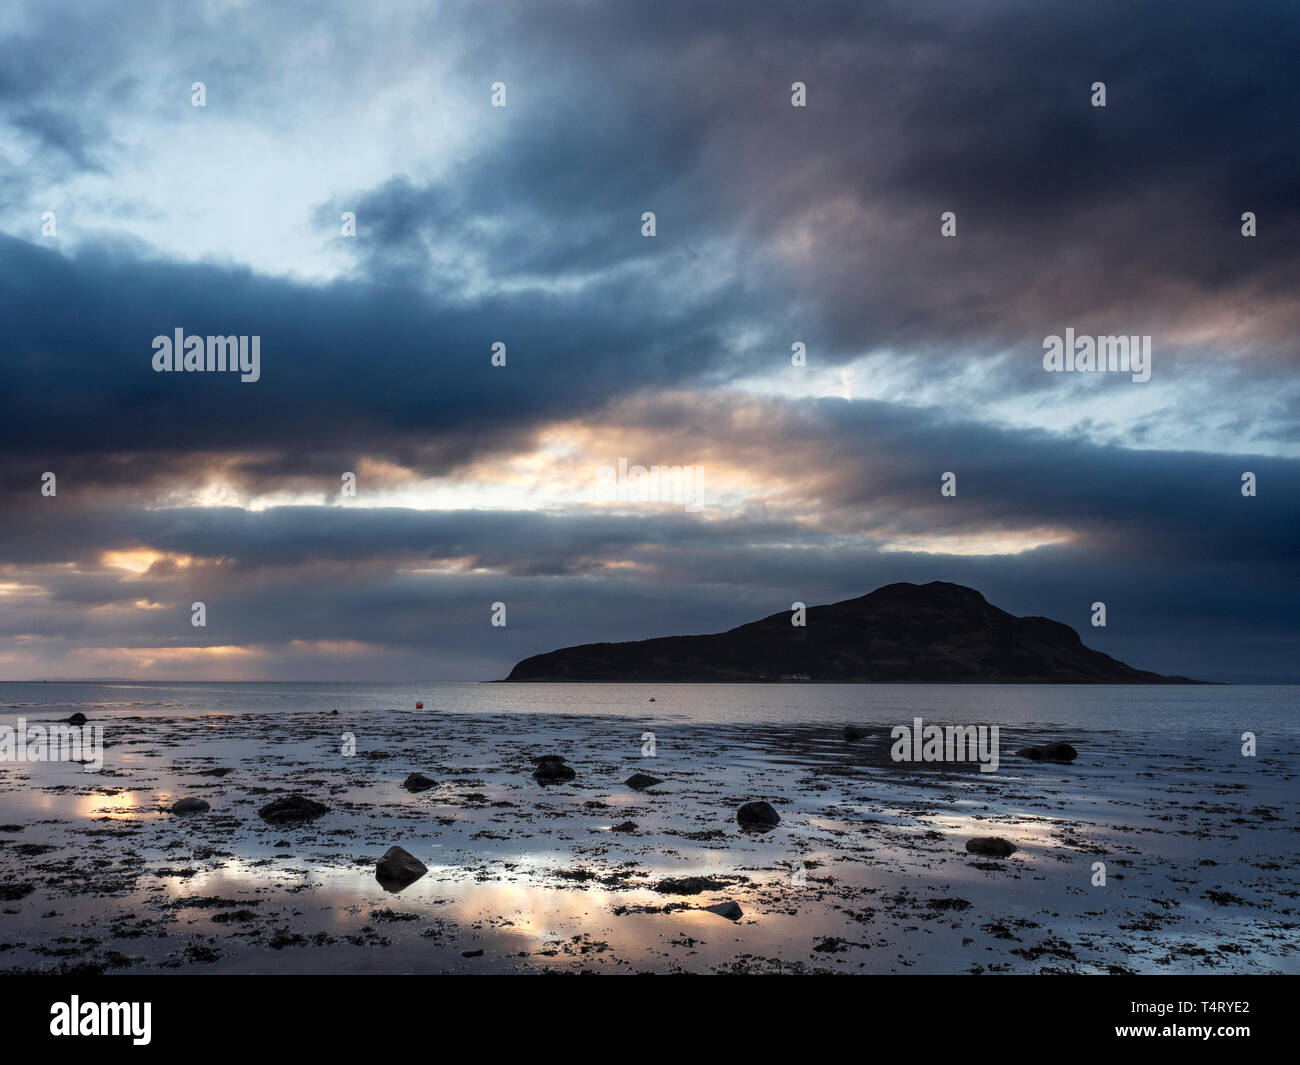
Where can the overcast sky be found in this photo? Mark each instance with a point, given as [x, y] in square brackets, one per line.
[126, 212]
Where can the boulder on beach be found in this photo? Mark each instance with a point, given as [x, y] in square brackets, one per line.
[418, 782]
[1050, 752]
[852, 732]
[398, 868]
[641, 781]
[291, 810]
[759, 815]
[991, 846]
[625, 826]
[190, 806]
[730, 910]
[77, 719]
[551, 769]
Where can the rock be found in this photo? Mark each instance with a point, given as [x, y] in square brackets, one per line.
[292, 809]
[730, 910]
[626, 826]
[1050, 752]
[689, 885]
[190, 806]
[652, 698]
[418, 782]
[759, 815]
[472, 953]
[398, 868]
[334, 713]
[852, 732]
[991, 846]
[641, 781]
[552, 770]
[77, 719]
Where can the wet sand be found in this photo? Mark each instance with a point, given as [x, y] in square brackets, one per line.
[867, 871]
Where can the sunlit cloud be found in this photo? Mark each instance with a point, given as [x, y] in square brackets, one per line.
[477, 484]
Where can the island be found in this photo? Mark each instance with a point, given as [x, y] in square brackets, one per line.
[900, 633]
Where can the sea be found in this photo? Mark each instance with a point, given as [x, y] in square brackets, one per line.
[1262, 709]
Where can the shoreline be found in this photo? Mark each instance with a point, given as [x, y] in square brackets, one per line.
[867, 871]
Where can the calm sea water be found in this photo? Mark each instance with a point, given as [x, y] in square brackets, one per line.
[1275, 709]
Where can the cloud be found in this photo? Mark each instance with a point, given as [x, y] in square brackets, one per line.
[837, 498]
[522, 225]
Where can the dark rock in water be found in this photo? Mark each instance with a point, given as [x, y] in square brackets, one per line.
[291, 810]
[688, 885]
[759, 815]
[626, 826]
[334, 713]
[991, 846]
[852, 732]
[641, 781]
[1050, 752]
[418, 782]
[398, 868]
[190, 806]
[472, 953]
[552, 770]
[730, 910]
[77, 719]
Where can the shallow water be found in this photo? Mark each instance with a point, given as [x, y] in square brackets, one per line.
[1198, 707]
[867, 871]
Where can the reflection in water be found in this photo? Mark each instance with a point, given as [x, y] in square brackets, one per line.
[122, 804]
[866, 871]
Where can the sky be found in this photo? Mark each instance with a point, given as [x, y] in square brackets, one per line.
[498, 162]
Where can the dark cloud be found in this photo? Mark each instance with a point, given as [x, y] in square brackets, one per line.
[344, 368]
[774, 222]
[1165, 538]
[1127, 215]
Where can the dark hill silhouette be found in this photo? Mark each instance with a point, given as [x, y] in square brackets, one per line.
[910, 633]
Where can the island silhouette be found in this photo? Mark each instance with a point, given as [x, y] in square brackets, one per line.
[901, 633]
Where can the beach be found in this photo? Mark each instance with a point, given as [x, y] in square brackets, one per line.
[867, 871]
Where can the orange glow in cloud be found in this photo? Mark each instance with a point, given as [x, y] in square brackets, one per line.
[140, 560]
[335, 647]
[1001, 542]
[15, 589]
[199, 663]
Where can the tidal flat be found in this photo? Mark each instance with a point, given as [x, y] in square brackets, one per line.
[867, 871]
